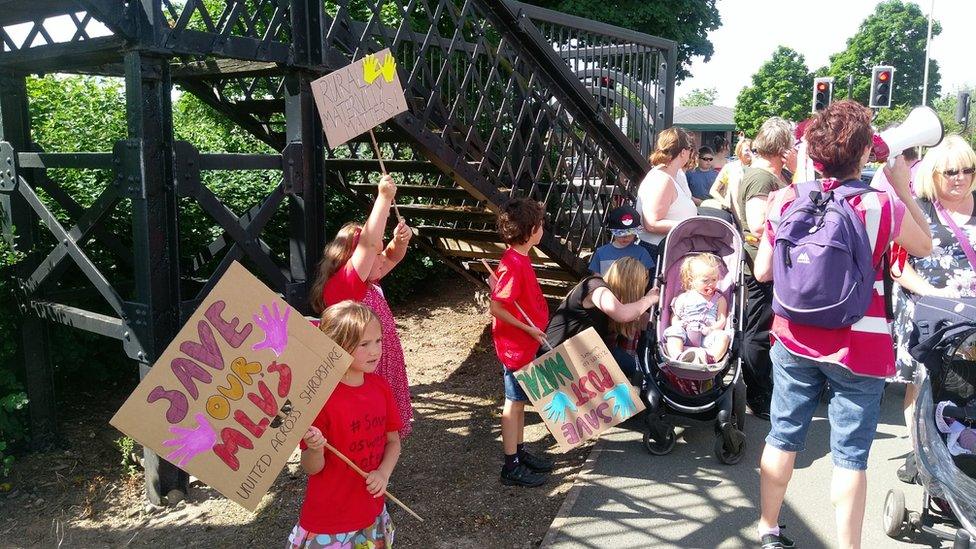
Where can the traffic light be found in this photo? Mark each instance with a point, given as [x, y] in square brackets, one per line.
[962, 109]
[882, 78]
[823, 89]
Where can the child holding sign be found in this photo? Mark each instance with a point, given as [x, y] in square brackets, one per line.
[517, 337]
[351, 268]
[360, 420]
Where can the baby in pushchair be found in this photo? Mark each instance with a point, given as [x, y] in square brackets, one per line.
[682, 375]
[698, 314]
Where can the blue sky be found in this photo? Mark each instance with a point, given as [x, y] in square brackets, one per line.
[752, 29]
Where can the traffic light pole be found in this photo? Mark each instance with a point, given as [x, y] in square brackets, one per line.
[850, 86]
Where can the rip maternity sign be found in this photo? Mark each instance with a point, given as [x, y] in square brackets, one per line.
[579, 390]
[232, 395]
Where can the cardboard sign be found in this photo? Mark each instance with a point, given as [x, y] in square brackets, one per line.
[579, 390]
[232, 395]
[358, 97]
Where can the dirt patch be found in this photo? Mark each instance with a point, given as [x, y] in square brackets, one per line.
[81, 495]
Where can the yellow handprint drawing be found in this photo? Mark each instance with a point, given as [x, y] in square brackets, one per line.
[389, 68]
[371, 68]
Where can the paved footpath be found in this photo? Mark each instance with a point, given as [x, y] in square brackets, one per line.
[627, 498]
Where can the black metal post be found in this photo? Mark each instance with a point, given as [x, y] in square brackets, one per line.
[303, 159]
[146, 164]
[20, 227]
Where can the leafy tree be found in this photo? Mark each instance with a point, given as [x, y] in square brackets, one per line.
[893, 35]
[699, 97]
[781, 87]
[687, 22]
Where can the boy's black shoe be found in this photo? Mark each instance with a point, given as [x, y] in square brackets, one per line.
[773, 541]
[535, 463]
[520, 475]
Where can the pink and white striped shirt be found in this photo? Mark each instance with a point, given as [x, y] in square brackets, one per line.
[865, 348]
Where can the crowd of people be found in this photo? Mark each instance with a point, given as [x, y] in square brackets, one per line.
[924, 212]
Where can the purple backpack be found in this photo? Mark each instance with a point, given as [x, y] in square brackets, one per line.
[823, 269]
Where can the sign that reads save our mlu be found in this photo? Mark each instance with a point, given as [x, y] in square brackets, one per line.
[579, 390]
[358, 97]
[232, 395]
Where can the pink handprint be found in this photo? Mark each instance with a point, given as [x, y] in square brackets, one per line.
[275, 329]
[190, 442]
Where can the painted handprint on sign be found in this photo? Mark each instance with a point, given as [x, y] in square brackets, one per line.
[190, 442]
[372, 69]
[557, 408]
[623, 404]
[275, 328]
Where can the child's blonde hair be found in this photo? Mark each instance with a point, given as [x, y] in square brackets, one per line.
[345, 323]
[688, 267]
[627, 279]
[334, 256]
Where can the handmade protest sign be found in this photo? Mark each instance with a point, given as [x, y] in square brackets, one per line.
[232, 395]
[579, 390]
[358, 97]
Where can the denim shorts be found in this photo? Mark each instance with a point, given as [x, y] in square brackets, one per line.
[513, 391]
[855, 404]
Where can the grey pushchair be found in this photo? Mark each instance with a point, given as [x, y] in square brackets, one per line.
[944, 340]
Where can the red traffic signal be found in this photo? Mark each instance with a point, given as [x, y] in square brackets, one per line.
[882, 78]
[822, 92]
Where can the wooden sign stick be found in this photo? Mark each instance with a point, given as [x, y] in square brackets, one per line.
[491, 274]
[364, 475]
[376, 147]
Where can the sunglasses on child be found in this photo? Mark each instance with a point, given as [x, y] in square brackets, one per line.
[952, 173]
[707, 158]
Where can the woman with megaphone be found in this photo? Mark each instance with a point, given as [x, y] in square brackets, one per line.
[822, 247]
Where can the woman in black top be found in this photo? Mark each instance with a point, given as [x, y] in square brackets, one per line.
[612, 305]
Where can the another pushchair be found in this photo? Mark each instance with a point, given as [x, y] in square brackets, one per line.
[944, 340]
[703, 392]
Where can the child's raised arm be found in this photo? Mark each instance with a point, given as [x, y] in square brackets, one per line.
[313, 457]
[371, 238]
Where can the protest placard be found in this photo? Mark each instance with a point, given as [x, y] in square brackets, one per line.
[232, 395]
[358, 97]
[579, 390]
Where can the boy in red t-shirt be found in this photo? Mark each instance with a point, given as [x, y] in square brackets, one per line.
[518, 333]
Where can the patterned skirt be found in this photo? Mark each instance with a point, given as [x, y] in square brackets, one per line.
[378, 535]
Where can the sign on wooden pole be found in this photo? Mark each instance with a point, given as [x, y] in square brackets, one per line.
[232, 395]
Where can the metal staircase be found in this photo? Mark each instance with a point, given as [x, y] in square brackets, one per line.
[504, 100]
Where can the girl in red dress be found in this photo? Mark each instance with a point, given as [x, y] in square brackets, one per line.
[351, 267]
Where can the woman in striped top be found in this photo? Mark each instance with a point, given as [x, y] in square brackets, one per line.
[854, 360]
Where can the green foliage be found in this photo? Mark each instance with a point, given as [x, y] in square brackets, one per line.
[687, 22]
[781, 87]
[13, 400]
[699, 97]
[127, 448]
[893, 35]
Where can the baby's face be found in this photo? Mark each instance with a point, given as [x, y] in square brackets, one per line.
[704, 280]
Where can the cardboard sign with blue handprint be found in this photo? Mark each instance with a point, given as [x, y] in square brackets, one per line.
[236, 389]
[579, 390]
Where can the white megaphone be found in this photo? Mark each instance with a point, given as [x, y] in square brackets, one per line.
[922, 128]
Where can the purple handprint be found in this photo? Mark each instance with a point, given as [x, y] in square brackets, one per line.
[190, 442]
[275, 329]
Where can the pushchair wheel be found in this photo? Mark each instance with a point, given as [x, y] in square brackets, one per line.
[895, 517]
[659, 439]
[730, 444]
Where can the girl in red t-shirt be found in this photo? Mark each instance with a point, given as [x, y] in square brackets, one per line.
[360, 419]
[351, 268]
